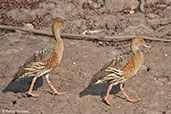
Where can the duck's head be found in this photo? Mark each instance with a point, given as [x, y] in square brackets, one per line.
[138, 42]
[58, 25]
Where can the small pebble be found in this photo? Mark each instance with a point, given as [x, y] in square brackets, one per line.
[52, 101]
[29, 26]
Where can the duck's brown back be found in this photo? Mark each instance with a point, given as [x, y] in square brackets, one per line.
[39, 56]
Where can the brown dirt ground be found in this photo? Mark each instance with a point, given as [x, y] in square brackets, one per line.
[82, 59]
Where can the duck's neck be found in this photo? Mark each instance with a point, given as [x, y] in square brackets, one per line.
[138, 57]
[59, 43]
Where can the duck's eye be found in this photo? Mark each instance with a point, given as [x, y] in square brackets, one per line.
[141, 41]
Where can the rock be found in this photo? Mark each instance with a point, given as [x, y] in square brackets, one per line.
[29, 26]
[121, 4]
[140, 29]
[108, 21]
[23, 14]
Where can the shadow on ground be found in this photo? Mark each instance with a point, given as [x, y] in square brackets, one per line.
[23, 85]
[99, 89]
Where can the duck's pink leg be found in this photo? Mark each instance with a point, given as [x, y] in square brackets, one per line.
[51, 86]
[107, 94]
[31, 88]
[127, 98]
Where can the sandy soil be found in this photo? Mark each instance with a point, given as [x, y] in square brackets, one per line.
[82, 59]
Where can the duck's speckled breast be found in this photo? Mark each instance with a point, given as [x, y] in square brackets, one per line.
[129, 68]
[53, 61]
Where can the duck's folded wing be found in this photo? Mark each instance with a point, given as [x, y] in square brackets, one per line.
[32, 69]
[39, 56]
[112, 71]
[34, 64]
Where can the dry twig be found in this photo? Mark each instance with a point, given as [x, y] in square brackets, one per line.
[141, 5]
[80, 36]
